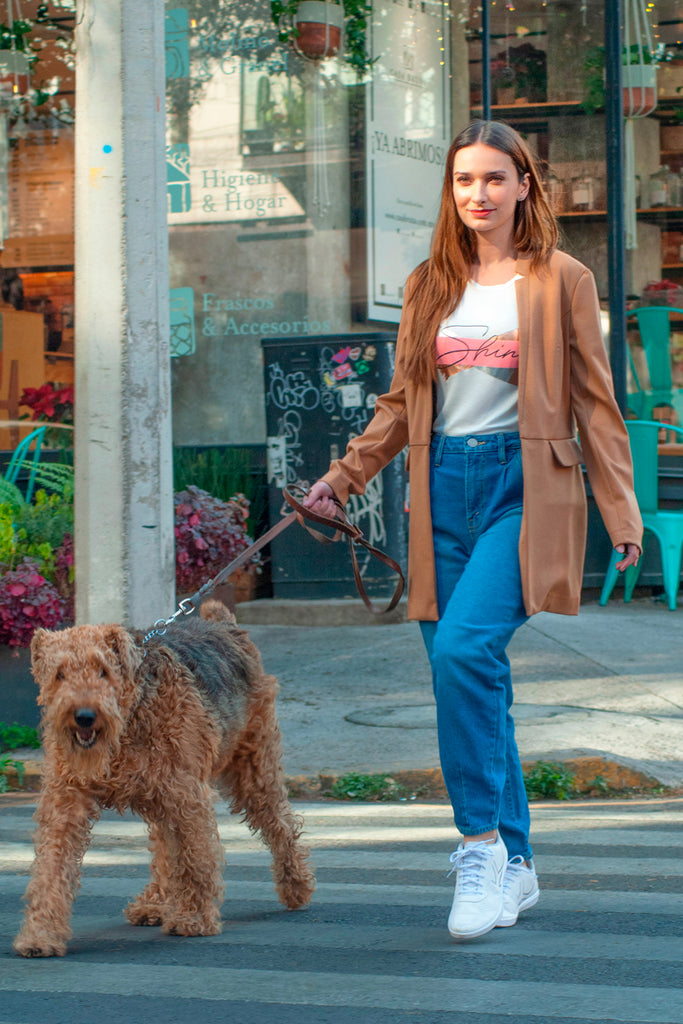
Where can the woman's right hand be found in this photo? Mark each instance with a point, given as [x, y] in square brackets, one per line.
[320, 499]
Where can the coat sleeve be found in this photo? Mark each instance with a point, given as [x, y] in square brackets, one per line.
[604, 438]
[385, 435]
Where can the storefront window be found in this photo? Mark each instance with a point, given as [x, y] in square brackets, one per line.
[301, 196]
[36, 205]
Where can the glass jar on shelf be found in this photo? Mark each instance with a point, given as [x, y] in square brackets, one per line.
[659, 188]
[583, 192]
[555, 189]
[674, 187]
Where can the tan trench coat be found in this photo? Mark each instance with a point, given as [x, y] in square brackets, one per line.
[564, 384]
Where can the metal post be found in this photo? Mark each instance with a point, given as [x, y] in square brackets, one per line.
[616, 237]
[123, 452]
[485, 62]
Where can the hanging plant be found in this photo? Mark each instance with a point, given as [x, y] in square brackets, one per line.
[314, 28]
[16, 58]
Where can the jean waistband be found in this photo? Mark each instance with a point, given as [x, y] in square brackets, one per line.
[504, 445]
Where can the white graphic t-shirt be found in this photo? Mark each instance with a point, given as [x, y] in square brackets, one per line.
[477, 356]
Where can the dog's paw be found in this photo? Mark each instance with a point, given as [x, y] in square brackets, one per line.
[192, 925]
[145, 912]
[295, 889]
[29, 944]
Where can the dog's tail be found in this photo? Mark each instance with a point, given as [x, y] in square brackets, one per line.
[216, 611]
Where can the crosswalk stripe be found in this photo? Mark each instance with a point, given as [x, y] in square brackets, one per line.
[535, 999]
[22, 853]
[581, 902]
[541, 944]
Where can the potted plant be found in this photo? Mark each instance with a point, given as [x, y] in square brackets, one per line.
[51, 403]
[314, 28]
[36, 581]
[27, 601]
[639, 79]
[503, 82]
[209, 534]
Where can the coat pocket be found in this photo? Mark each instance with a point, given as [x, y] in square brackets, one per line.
[566, 451]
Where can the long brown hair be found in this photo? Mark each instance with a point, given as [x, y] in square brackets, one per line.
[440, 281]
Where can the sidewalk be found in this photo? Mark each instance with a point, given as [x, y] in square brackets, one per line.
[602, 692]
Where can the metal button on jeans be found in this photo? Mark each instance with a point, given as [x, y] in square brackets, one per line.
[472, 442]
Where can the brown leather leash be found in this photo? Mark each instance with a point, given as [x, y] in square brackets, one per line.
[341, 527]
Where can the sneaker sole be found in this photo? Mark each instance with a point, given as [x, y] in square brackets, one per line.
[526, 904]
[473, 935]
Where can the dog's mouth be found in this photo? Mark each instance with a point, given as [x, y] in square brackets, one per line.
[85, 738]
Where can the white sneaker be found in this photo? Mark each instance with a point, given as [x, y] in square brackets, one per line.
[478, 899]
[520, 891]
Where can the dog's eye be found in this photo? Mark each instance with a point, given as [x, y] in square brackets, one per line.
[60, 674]
[103, 673]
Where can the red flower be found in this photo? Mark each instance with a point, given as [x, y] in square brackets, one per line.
[48, 402]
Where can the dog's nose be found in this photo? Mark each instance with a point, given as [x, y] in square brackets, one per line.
[85, 718]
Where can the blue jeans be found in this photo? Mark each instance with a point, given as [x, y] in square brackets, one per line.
[476, 498]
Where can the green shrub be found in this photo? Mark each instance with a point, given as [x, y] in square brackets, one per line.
[549, 780]
[14, 736]
[223, 472]
[355, 786]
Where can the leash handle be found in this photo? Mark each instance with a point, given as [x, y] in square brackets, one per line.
[354, 533]
[341, 526]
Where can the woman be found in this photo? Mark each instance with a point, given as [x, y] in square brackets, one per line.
[499, 360]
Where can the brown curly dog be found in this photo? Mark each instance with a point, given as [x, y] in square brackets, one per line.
[150, 728]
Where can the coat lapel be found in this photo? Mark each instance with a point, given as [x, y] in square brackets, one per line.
[522, 290]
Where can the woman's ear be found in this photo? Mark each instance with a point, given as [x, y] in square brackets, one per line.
[524, 187]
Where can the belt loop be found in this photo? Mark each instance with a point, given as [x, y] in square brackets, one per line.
[501, 449]
[439, 449]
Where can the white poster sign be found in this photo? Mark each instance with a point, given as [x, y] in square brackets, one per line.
[408, 135]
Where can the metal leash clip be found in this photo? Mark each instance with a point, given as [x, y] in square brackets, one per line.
[185, 607]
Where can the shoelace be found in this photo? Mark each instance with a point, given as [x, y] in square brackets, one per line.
[470, 864]
[511, 872]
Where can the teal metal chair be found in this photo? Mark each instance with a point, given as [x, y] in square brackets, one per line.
[22, 454]
[665, 524]
[654, 324]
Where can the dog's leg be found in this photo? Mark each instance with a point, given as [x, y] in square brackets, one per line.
[148, 908]
[254, 783]
[194, 885]
[65, 816]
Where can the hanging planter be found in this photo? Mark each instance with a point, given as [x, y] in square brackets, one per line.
[639, 89]
[319, 27]
[16, 56]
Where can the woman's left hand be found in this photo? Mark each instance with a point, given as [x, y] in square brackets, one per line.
[631, 553]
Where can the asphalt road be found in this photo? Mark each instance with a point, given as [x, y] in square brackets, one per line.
[605, 942]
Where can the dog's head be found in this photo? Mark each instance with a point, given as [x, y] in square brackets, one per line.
[88, 690]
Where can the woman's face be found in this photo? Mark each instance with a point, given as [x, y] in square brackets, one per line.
[486, 190]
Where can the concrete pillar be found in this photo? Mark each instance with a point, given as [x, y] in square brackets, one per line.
[123, 450]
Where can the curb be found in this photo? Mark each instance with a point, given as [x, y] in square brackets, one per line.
[593, 776]
[343, 611]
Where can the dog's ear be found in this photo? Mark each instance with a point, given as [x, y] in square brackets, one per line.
[40, 644]
[40, 656]
[123, 645]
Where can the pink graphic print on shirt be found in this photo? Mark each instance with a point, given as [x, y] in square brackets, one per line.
[497, 355]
